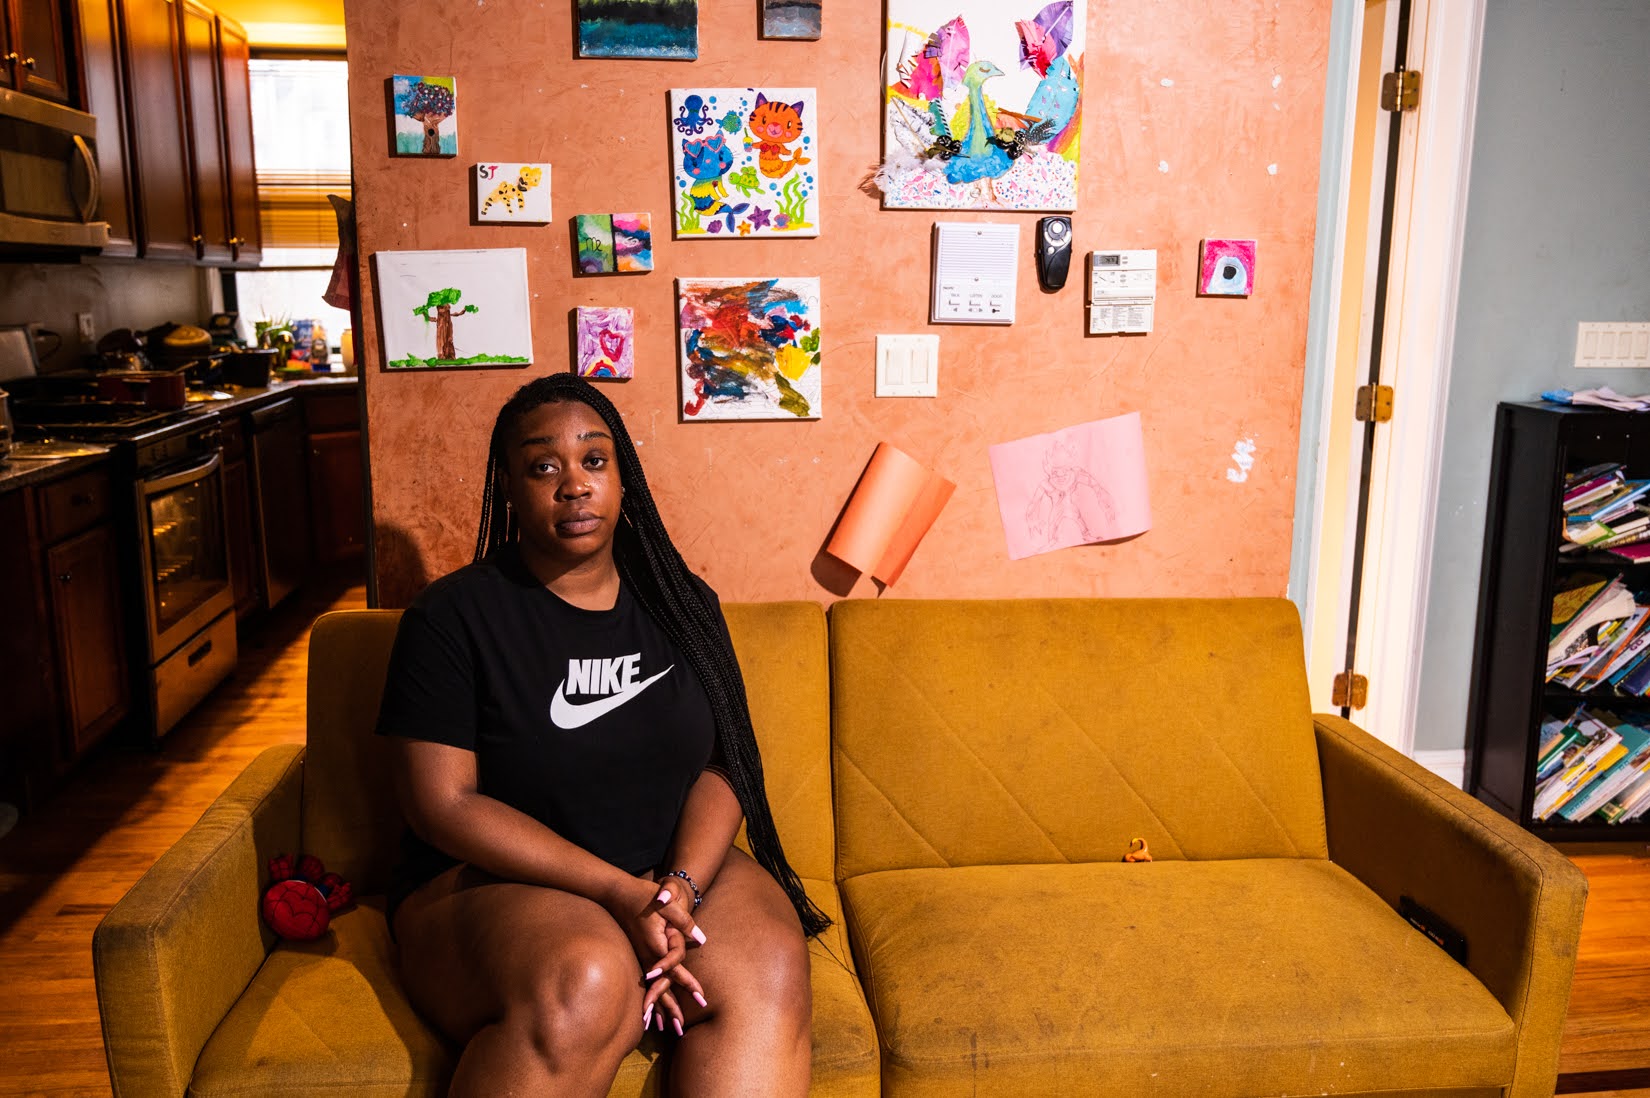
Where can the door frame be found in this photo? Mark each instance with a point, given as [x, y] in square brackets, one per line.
[1430, 205]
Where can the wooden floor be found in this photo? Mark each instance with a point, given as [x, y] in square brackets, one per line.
[64, 866]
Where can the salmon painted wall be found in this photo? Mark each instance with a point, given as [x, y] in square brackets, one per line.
[1200, 120]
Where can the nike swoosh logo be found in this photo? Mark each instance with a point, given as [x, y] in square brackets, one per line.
[571, 715]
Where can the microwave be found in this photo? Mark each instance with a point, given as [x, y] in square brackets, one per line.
[49, 184]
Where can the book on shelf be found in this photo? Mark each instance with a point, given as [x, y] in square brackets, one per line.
[1618, 642]
[1631, 803]
[1635, 552]
[1616, 530]
[1594, 483]
[1580, 762]
[1554, 744]
[1624, 763]
[1578, 613]
[1618, 502]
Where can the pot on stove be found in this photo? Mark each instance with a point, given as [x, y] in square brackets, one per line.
[162, 390]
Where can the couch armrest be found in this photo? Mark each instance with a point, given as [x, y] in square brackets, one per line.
[1403, 831]
[175, 953]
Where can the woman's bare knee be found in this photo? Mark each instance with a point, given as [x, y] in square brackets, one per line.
[577, 1005]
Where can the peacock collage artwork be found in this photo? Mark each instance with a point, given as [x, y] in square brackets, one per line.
[983, 105]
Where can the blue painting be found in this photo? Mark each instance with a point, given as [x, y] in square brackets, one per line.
[656, 30]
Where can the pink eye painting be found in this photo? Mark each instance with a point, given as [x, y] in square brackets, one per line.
[1227, 268]
[606, 343]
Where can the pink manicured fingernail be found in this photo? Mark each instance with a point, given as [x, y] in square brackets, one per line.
[677, 1022]
[659, 1019]
[647, 1016]
[652, 974]
[700, 999]
[698, 935]
[664, 896]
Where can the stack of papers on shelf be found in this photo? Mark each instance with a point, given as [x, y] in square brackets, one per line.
[1579, 762]
[1603, 397]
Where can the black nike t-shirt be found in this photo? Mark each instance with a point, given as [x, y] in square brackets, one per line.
[590, 721]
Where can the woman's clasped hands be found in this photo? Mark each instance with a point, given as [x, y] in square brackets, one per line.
[657, 917]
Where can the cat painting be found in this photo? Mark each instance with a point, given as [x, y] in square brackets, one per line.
[747, 164]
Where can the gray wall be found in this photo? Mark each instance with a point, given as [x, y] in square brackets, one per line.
[1558, 231]
[118, 294]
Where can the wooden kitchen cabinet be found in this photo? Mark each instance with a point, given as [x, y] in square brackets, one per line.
[203, 106]
[235, 75]
[63, 664]
[162, 187]
[337, 485]
[104, 95]
[88, 635]
[36, 53]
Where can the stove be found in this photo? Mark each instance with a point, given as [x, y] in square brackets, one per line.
[172, 531]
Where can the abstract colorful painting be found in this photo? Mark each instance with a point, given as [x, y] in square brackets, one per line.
[513, 192]
[454, 308]
[655, 30]
[790, 19]
[426, 115]
[983, 104]
[750, 348]
[1226, 268]
[620, 243]
[746, 162]
[606, 342]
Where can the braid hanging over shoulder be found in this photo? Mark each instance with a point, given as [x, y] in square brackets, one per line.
[662, 583]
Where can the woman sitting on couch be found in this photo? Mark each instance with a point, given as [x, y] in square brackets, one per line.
[575, 756]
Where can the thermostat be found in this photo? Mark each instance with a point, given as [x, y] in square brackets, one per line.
[1122, 291]
[976, 267]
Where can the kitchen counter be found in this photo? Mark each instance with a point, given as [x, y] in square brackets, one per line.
[22, 472]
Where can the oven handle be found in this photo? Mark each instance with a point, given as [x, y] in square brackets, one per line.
[186, 476]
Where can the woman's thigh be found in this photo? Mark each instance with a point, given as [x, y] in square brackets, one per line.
[754, 953]
[474, 947]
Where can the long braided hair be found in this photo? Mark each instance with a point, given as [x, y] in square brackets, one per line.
[661, 582]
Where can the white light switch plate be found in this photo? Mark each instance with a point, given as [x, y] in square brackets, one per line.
[1619, 346]
[908, 365]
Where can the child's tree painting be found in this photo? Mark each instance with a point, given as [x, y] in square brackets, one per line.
[750, 348]
[426, 115]
[746, 162]
[454, 308]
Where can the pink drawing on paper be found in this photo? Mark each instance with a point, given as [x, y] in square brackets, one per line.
[1077, 486]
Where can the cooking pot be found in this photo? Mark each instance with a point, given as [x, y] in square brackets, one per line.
[163, 390]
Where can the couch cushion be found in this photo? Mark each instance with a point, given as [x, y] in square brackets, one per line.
[1053, 730]
[328, 1015]
[1266, 976]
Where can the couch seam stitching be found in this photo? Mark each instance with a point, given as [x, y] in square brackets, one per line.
[1253, 792]
[1105, 758]
[898, 815]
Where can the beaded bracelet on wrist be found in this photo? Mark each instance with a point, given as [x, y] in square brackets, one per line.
[697, 898]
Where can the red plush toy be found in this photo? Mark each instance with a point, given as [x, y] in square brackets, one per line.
[298, 906]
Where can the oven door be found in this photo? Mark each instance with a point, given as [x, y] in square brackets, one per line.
[184, 549]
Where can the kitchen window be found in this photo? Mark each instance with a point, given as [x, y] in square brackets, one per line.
[300, 138]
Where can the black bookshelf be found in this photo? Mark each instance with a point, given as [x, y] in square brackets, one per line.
[1535, 445]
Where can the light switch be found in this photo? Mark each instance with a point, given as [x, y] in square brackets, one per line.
[1625, 345]
[908, 365]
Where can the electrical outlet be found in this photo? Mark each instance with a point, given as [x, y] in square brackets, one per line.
[1620, 346]
[83, 325]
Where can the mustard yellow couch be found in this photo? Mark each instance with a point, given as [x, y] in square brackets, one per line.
[958, 781]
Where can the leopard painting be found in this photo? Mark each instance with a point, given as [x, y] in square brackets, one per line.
[513, 195]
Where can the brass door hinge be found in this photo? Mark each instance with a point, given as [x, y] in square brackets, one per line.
[1401, 90]
[1374, 403]
[1351, 691]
